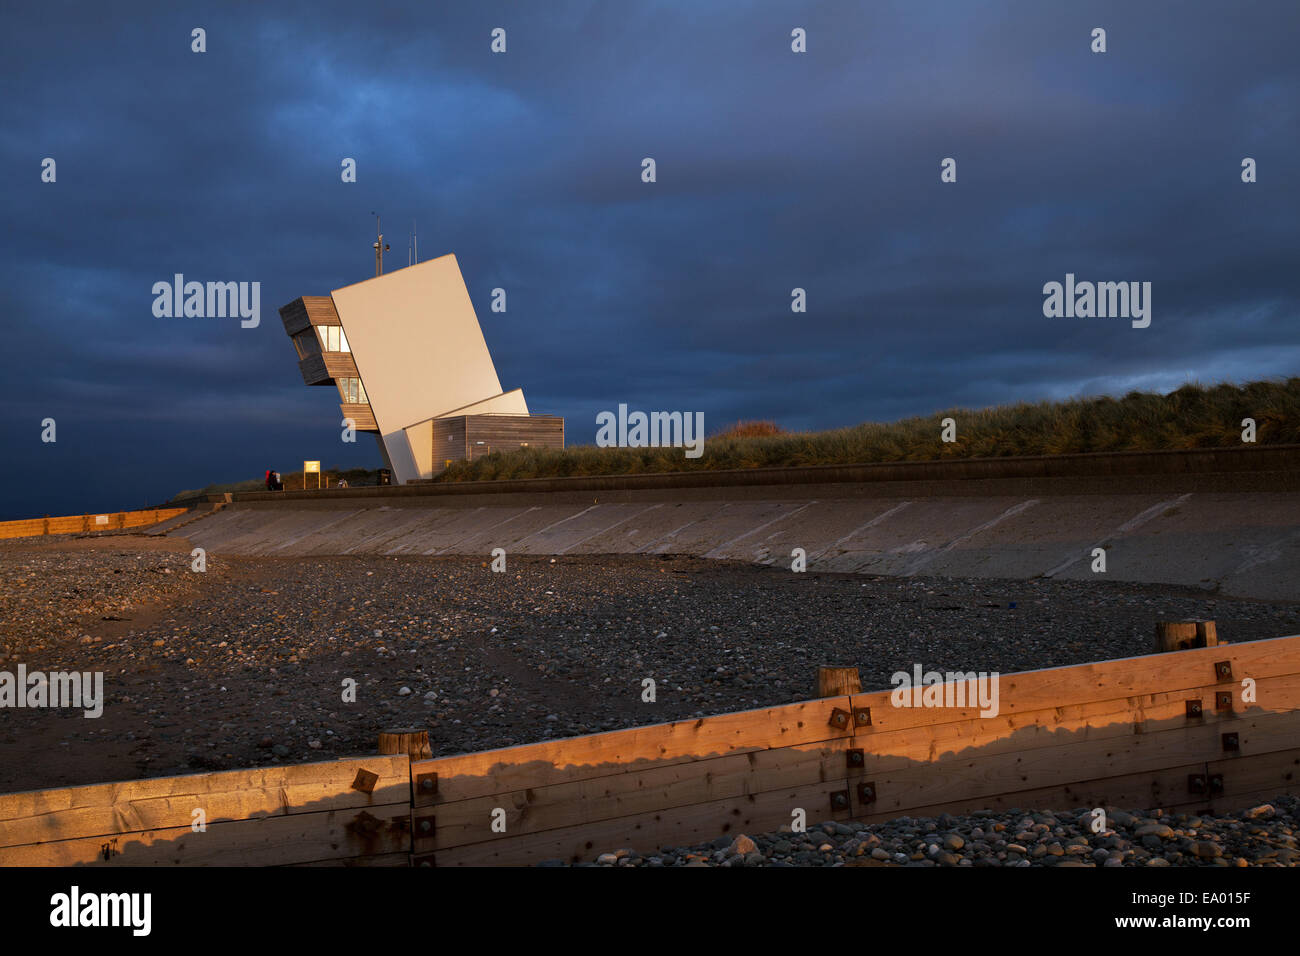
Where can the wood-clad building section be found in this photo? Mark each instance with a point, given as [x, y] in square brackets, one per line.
[323, 368]
[308, 310]
[324, 357]
[363, 415]
[466, 437]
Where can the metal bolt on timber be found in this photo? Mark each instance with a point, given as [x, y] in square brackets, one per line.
[426, 784]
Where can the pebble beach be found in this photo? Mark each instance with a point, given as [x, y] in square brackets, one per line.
[1264, 835]
[242, 665]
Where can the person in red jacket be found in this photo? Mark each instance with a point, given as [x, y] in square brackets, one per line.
[270, 486]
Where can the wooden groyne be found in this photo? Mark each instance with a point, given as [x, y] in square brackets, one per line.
[1206, 729]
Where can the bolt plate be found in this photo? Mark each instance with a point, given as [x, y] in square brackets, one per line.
[862, 716]
[365, 781]
[426, 784]
[867, 792]
[856, 758]
[839, 718]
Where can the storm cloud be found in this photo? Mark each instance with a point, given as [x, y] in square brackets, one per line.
[775, 171]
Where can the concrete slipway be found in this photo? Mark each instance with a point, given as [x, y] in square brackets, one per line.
[1224, 519]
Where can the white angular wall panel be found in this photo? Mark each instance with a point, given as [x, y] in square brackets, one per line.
[419, 350]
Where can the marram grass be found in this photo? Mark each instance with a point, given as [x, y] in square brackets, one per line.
[1191, 417]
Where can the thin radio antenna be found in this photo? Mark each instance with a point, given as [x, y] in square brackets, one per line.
[415, 239]
[380, 246]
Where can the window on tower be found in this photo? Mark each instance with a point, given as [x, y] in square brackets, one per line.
[351, 391]
[306, 344]
[332, 338]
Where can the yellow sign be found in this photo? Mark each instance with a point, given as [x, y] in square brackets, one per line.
[310, 466]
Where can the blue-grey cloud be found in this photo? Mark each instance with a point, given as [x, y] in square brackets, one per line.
[775, 170]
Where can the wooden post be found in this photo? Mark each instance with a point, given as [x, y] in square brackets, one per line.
[1181, 635]
[405, 741]
[837, 681]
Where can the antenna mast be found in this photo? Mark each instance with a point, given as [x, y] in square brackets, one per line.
[380, 246]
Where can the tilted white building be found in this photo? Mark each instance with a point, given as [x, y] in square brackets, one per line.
[408, 357]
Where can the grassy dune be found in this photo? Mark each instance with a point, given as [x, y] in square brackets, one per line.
[1191, 417]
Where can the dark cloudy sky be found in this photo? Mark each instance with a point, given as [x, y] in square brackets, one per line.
[775, 170]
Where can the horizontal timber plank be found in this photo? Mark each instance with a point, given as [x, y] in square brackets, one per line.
[1165, 789]
[360, 413]
[1105, 680]
[650, 831]
[491, 772]
[634, 794]
[165, 802]
[266, 841]
[1247, 775]
[1098, 720]
[972, 778]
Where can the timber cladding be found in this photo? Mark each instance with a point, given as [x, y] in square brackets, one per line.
[362, 414]
[314, 370]
[308, 310]
[322, 368]
[473, 436]
[85, 524]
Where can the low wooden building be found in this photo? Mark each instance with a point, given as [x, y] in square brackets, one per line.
[466, 437]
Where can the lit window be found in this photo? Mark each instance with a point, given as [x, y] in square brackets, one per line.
[332, 338]
[351, 391]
